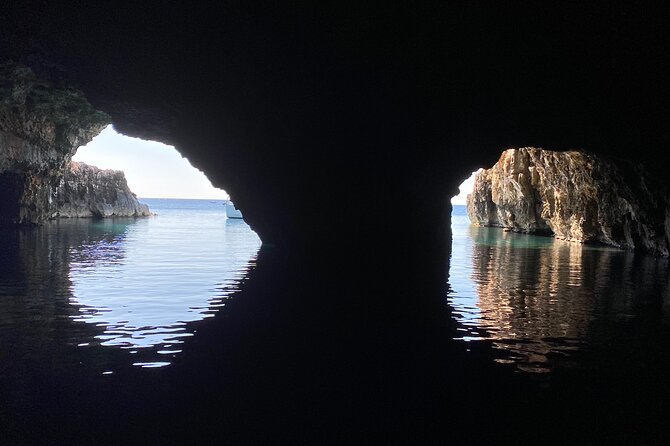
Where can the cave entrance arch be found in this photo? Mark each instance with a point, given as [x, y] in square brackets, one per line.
[142, 287]
[531, 296]
[152, 169]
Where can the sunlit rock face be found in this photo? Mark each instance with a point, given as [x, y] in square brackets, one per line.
[86, 191]
[575, 196]
[41, 126]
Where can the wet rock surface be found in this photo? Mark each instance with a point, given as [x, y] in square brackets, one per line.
[86, 191]
[574, 196]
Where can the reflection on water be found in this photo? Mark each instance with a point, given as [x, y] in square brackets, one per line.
[132, 284]
[538, 299]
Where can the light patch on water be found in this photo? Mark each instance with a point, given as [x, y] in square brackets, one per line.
[537, 300]
[151, 365]
[147, 282]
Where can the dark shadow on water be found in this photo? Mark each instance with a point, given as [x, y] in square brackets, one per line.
[35, 285]
[38, 340]
[77, 300]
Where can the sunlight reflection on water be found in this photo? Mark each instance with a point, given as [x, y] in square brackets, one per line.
[147, 284]
[134, 286]
[538, 300]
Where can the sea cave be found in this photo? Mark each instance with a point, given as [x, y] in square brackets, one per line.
[342, 133]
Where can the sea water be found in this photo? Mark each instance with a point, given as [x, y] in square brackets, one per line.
[107, 294]
[135, 331]
[110, 293]
[541, 302]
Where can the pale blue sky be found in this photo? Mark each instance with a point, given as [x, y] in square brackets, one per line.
[465, 188]
[153, 170]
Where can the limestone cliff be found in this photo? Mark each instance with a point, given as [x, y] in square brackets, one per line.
[42, 123]
[86, 191]
[575, 196]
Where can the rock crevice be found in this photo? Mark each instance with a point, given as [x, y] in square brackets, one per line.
[574, 196]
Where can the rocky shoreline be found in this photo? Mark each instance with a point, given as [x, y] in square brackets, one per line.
[575, 196]
[87, 191]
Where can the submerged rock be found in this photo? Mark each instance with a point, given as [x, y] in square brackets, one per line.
[86, 191]
[574, 196]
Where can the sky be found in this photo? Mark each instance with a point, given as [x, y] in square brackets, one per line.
[153, 169]
[465, 188]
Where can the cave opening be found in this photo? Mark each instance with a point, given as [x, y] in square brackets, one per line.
[464, 189]
[138, 285]
[152, 169]
[326, 120]
[543, 236]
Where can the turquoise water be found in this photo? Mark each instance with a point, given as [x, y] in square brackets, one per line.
[111, 293]
[541, 302]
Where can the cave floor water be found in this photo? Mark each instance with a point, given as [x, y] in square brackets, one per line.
[113, 332]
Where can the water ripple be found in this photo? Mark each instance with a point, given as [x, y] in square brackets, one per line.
[147, 285]
[133, 286]
[538, 300]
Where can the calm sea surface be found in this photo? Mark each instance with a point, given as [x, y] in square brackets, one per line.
[132, 331]
[108, 294]
[111, 293]
[542, 303]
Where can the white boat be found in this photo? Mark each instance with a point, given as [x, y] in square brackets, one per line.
[232, 211]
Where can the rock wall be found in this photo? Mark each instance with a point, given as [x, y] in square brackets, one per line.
[42, 123]
[575, 196]
[86, 191]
